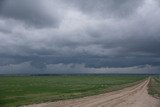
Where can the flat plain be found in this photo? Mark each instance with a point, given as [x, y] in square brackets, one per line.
[133, 96]
[16, 91]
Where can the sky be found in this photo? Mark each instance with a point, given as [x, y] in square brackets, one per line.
[79, 36]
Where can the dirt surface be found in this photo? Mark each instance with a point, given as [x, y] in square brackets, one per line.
[135, 96]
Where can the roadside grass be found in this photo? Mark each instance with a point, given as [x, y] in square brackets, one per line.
[16, 91]
[154, 86]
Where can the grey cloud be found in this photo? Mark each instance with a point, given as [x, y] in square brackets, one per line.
[82, 40]
[88, 60]
[26, 68]
[107, 8]
[32, 13]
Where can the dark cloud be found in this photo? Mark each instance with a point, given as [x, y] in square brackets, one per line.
[31, 12]
[26, 68]
[79, 36]
[107, 8]
[1, 3]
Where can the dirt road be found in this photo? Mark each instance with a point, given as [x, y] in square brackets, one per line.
[135, 96]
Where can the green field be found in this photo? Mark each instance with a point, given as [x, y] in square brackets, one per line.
[154, 86]
[15, 91]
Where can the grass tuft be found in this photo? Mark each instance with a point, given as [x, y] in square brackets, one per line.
[154, 86]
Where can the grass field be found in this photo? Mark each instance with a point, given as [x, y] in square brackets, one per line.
[154, 86]
[15, 91]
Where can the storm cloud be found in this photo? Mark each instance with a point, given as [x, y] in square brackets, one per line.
[85, 36]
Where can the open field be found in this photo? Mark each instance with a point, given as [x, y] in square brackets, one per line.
[133, 96]
[16, 91]
[154, 86]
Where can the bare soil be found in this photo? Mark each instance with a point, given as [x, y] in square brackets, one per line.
[135, 96]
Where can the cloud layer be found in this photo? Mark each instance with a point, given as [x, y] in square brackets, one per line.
[70, 36]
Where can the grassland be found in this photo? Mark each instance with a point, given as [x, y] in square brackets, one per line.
[15, 91]
[154, 86]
